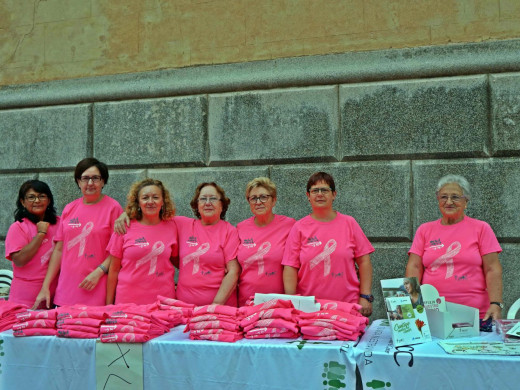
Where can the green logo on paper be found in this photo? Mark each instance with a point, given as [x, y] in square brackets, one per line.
[403, 327]
[334, 373]
[377, 384]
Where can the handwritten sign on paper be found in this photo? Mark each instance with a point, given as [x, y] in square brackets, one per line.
[119, 366]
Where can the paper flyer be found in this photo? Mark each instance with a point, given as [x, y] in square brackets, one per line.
[405, 311]
[480, 348]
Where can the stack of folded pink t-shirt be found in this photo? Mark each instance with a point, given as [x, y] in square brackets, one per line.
[80, 322]
[172, 304]
[35, 323]
[334, 321]
[8, 311]
[276, 318]
[214, 322]
[136, 323]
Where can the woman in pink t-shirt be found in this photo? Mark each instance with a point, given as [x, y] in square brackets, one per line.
[29, 241]
[262, 242]
[457, 254]
[80, 255]
[208, 266]
[323, 249]
[141, 264]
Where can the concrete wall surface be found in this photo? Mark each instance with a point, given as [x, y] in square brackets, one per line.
[387, 125]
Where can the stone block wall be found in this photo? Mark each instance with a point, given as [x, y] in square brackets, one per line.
[387, 125]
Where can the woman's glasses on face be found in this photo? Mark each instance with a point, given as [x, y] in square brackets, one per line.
[211, 200]
[32, 198]
[454, 198]
[261, 198]
[86, 179]
[316, 191]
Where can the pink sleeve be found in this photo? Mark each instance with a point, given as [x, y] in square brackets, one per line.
[16, 239]
[363, 245]
[175, 245]
[291, 254]
[418, 243]
[488, 242]
[115, 245]
[230, 247]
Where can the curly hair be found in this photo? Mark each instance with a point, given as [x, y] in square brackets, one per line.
[194, 203]
[21, 212]
[132, 200]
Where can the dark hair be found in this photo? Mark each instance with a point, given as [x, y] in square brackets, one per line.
[88, 162]
[223, 198]
[321, 176]
[132, 206]
[21, 212]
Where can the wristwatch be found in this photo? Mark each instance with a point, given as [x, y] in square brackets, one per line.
[369, 298]
[500, 304]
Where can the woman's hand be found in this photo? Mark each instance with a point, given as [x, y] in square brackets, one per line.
[43, 296]
[42, 227]
[121, 223]
[366, 307]
[92, 279]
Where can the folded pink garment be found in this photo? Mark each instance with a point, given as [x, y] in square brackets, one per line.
[36, 315]
[281, 335]
[212, 317]
[79, 321]
[334, 315]
[8, 308]
[331, 324]
[216, 335]
[128, 321]
[319, 331]
[273, 323]
[226, 325]
[64, 312]
[215, 309]
[283, 313]
[122, 329]
[35, 332]
[347, 307]
[174, 302]
[35, 324]
[322, 338]
[124, 338]
[272, 304]
[267, 330]
[81, 328]
[76, 334]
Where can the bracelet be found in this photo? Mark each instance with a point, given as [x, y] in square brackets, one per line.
[103, 268]
[39, 231]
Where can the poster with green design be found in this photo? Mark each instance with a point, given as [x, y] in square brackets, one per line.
[405, 311]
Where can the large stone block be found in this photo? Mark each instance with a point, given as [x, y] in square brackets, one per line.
[442, 116]
[495, 185]
[505, 103]
[182, 183]
[4, 263]
[289, 124]
[388, 261]
[153, 132]
[35, 138]
[10, 185]
[510, 259]
[376, 194]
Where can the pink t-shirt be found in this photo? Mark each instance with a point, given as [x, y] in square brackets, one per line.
[324, 254]
[85, 231]
[260, 256]
[146, 269]
[204, 251]
[27, 280]
[452, 259]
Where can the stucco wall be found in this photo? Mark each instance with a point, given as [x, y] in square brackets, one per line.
[386, 124]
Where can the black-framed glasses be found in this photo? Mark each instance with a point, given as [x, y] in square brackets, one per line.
[86, 179]
[323, 190]
[32, 198]
[211, 200]
[454, 198]
[261, 198]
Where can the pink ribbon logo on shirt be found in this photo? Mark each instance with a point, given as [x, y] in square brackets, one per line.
[324, 256]
[447, 259]
[47, 255]
[81, 238]
[259, 257]
[151, 257]
[195, 256]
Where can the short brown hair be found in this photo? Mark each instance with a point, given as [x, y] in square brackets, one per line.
[88, 162]
[223, 198]
[321, 176]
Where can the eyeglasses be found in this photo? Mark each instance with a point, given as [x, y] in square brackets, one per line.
[86, 179]
[454, 198]
[324, 191]
[32, 198]
[211, 200]
[261, 198]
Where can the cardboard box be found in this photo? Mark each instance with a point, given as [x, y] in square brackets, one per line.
[458, 321]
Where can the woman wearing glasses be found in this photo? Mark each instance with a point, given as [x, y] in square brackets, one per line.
[80, 255]
[458, 254]
[208, 266]
[324, 248]
[262, 242]
[28, 243]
